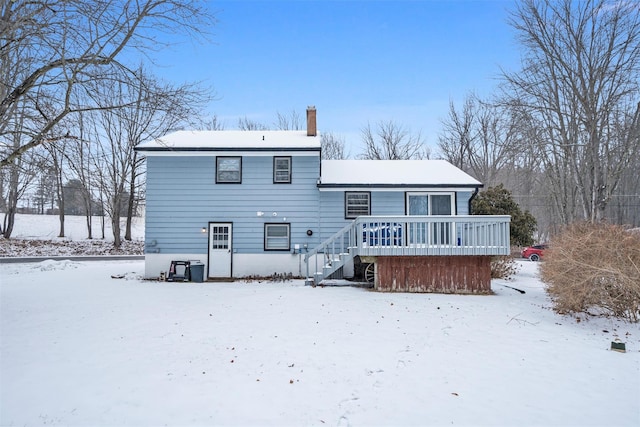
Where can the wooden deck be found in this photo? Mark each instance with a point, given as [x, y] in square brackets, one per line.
[417, 253]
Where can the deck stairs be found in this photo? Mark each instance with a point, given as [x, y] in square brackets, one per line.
[328, 259]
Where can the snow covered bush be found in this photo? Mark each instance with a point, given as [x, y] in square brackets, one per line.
[594, 269]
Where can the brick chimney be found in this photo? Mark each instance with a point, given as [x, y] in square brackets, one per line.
[311, 121]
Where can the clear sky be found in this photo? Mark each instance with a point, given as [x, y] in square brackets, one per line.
[358, 62]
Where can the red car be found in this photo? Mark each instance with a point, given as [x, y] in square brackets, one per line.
[534, 253]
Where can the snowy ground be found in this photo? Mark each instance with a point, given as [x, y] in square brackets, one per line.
[81, 348]
[36, 235]
[78, 347]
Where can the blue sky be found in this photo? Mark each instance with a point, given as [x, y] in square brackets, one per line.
[358, 62]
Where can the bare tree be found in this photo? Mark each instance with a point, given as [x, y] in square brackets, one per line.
[481, 139]
[579, 84]
[150, 110]
[80, 155]
[59, 49]
[214, 123]
[245, 123]
[15, 180]
[391, 141]
[455, 139]
[16, 175]
[333, 146]
[288, 122]
[57, 161]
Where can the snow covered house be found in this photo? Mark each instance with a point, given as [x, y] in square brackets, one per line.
[258, 203]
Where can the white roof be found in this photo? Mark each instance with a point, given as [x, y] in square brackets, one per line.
[236, 139]
[394, 172]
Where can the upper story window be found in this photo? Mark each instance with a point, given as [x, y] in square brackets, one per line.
[357, 204]
[282, 170]
[228, 170]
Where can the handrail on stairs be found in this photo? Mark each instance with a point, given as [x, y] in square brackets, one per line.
[338, 243]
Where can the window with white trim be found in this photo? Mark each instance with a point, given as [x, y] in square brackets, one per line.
[424, 203]
[228, 170]
[357, 204]
[277, 237]
[282, 170]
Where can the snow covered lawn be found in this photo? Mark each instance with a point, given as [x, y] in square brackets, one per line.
[36, 236]
[80, 348]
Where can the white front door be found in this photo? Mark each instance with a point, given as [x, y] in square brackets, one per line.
[219, 249]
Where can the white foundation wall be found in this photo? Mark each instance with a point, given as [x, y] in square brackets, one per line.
[243, 265]
[156, 263]
[267, 264]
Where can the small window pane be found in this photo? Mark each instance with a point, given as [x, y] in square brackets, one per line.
[282, 169]
[357, 204]
[440, 204]
[277, 236]
[418, 204]
[220, 237]
[228, 169]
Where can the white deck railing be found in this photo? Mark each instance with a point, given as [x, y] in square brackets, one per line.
[414, 235]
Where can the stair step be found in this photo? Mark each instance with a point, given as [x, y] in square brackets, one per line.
[327, 271]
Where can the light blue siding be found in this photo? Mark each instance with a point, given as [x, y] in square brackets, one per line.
[462, 202]
[332, 208]
[183, 197]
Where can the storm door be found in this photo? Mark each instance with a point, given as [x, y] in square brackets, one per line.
[219, 250]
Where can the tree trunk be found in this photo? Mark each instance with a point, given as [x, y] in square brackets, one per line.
[115, 226]
[60, 195]
[132, 198]
[89, 225]
[12, 202]
[61, 218]
[9, 219]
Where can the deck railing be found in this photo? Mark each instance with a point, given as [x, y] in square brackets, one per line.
[413, 235]
[433, 235]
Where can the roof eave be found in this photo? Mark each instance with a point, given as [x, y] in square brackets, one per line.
[344, 185]
[209, 149]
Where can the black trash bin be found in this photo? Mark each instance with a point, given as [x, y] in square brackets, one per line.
[196, 271]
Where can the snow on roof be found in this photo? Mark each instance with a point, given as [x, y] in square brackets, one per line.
[394, 172]
[236, 139]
